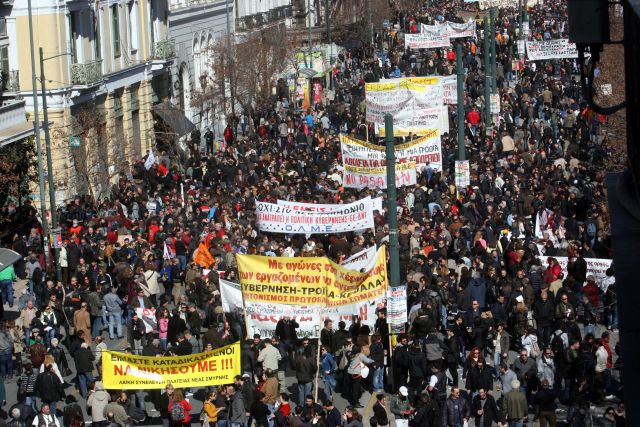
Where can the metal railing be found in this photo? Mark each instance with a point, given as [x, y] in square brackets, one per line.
[86, 74]
[165, 49]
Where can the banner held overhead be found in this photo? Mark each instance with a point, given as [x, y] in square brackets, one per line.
[122, 371]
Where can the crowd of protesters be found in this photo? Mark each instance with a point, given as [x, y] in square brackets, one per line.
[479, 264]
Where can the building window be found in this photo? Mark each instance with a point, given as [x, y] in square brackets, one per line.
[115, 18]
[4, 67]
[117, 103]
[133, 25]
[98, 36]
[73, 30]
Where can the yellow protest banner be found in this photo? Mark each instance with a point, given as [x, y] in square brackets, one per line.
[282, 280]
[124, 371]
[351, 287]
[315, 281]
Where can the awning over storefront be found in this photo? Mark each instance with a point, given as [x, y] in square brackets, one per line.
[174, 118]
[8, 258]
[15, 133]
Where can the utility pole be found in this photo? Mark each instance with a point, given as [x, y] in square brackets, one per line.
[310, 42]
[460, 72]
[327, 17]
[370, 27]
[487, 76]
[394, 257]
[36, 127]
[230, 61]
[47, 142]
[494, 81]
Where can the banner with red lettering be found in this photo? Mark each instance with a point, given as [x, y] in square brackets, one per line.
[426, 150]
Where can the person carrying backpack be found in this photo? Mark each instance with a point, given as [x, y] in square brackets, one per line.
[179, 408]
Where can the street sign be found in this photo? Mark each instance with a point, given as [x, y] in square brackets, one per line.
[494, 103]
[75, 141]
[56, 238]
[521, 51]
[462, 174]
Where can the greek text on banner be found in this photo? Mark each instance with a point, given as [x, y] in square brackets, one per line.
[309, 280]
[131, 372]
[299, 218]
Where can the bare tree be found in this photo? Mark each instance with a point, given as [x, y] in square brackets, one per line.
[245, 73]
[90, 157]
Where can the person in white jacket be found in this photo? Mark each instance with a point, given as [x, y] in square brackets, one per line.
[601, 372]
[96, 402]
[546, 367]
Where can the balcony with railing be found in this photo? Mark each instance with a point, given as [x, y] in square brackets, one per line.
[165, 49]
[87, 74]
[11, 81]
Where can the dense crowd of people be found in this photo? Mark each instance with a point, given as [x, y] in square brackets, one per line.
[480, 264]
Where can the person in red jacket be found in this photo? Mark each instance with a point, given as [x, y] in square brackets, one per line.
[228, 134]
[174, 415]
[473, 118]
[591, 290]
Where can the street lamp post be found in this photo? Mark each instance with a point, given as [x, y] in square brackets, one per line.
[36, 127]
[460, 111]
[487, 76]
[394, 258]
[47, 139]
[230, 59]
[494, 81]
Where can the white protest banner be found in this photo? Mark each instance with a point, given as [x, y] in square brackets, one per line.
[397, 308]
[466, 29]
[231, 296]
[421, 151]
[419, 122]
[151, 159]
[595, 266]
[462, 174]
[416, 104]
[263, 317]
[432, 36]
[377, 204]
[308, 218]
[359, 177]
[365, 259]
[148, 317]
[450, 89]
[551, 49]
[500, 4]
[151, 206]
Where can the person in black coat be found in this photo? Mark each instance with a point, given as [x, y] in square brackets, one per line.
[417, 369]
[260, 411]
[427, 412]
[49, 387]
[401, 362]
[453, 355]
[485, 409]
[479, 377]
[84, 358]
[286, 330]
[176, 326]
[380, 410]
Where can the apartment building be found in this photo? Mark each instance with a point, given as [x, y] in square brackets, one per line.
[106, 65]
